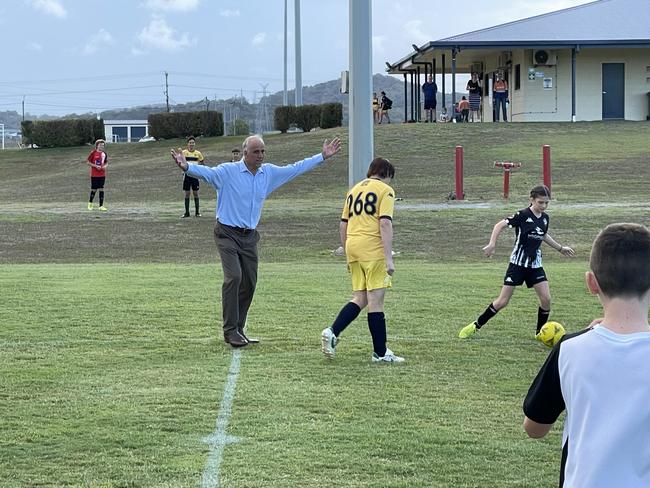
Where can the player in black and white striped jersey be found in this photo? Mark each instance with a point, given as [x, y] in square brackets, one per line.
[531, 229]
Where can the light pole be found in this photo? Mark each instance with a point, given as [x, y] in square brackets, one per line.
[285, 99]
[3, 136]
[361, 123]
[298, 93]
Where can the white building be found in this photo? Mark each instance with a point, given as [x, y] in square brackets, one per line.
[590, 62]
[125, 130]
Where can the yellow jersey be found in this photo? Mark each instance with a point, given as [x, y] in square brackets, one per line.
[193, 156]
[365, 204]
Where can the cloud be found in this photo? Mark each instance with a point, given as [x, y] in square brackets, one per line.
[173, 5]
[35, 46]
[50, 7]
[229, 13]
[416, 34]
[378, 43]
[102, 38]
[159, 35]
[259, 39]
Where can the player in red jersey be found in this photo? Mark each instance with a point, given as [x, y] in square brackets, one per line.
[97, 160]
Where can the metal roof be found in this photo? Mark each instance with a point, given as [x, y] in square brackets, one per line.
[603, 23]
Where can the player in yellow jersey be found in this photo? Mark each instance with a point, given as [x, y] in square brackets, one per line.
[193, 156]
[367, 236]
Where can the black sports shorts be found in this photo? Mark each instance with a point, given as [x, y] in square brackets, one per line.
[516, 275]
[190, 182]
[97, 182]
[430, 104]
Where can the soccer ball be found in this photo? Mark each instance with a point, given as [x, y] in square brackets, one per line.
[550, 333]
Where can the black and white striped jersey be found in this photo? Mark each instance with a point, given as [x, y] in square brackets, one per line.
[529, 234]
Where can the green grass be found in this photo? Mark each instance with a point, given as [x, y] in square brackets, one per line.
[111, 364]
[112, 376]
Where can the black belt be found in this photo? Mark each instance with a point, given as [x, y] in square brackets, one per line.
[239, 230]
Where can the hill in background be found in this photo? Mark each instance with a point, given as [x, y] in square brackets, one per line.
[241, 108]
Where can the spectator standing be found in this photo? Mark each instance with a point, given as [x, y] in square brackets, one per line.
[474, 89]
[500, 95]
[430, 90]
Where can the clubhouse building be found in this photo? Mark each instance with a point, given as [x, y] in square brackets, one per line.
[585, 63]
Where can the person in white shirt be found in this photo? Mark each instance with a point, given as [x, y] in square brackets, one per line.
[600, 375]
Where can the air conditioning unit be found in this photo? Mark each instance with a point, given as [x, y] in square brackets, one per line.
[542, 57]
[505, 58]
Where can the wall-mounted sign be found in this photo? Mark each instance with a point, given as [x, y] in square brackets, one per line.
[539, 74]
[531, 74]
[547, 83]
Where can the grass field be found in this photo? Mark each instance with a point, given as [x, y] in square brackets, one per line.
[112, 371]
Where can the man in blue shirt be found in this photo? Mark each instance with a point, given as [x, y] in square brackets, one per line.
[243, 186]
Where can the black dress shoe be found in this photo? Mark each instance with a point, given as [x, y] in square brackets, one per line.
[250, 340]
[236, 340]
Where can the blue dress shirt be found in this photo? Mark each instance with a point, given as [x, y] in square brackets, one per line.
[242, 193]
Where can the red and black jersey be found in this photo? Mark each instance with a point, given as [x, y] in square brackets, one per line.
[98, 159]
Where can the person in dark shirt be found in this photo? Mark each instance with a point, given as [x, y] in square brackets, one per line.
[474, 89]
[531, 229]
[430, 90]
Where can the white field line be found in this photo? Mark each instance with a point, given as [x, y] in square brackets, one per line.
[219, 438]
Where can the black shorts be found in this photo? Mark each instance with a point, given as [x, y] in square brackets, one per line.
[190, 182]
[97, 182]
[430, 104]
[516, 275]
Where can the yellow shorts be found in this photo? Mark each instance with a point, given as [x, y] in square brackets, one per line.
[369, 275]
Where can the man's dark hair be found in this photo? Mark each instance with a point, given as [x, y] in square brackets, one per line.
[540, 191]
[381, 168]
[236, 150]
[620, 259]
[191, 138]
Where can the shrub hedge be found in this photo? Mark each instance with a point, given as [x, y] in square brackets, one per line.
[306, 117]
[62, 133]
[182, 124]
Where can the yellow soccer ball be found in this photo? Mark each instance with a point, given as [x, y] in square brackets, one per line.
[550, 333]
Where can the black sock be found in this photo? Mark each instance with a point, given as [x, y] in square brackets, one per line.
[101, 198]
[345, 317]
[542, 317]
[485, 316]
[377, 326]
[187, 206]
[196, 204]
[92, 196]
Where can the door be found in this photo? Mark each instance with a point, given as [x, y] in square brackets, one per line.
[613, 91]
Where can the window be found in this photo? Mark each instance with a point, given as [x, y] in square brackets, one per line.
[517, 77]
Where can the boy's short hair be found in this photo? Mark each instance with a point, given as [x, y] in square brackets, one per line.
[540, 191]
[236, 150]
[620, 260]
[98, 142]
[381, 168]
[191, 138]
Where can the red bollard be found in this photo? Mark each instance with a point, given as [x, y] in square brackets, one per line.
[546, 165]
[460, 194]
[507, 167]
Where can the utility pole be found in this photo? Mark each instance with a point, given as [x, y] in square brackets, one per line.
[298, 55]
[207, 104]
[23, 108]
[285, 96]
[167, 91]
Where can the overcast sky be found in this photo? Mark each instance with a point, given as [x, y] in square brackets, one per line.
[79, 56]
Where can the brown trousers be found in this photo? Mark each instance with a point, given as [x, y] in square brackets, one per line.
[238, 251]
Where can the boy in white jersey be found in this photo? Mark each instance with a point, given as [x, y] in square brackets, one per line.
[366, 231]
[531, 229]
[600, 375]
